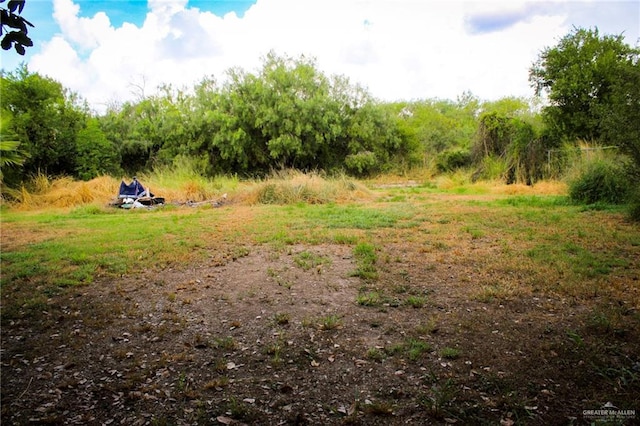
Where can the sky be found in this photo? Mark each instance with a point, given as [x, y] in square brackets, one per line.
[114, 51]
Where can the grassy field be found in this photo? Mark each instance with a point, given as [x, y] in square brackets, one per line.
[305, 300]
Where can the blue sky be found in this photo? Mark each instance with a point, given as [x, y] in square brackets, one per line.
[134, 11]
[397, 49]
[40, 12]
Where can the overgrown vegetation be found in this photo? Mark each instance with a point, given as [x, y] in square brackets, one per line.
[289, 115]
[600, 182]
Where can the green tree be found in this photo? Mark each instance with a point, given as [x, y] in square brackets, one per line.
[118, 125]
[45, 117]
[439, 130]
[581, 77]
[290, 115]
[10, 18]
[148, 132]
[96, 154]
[621, 123]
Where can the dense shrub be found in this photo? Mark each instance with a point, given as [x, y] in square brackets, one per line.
[634, 205]
[601, 181]
[361, 164]
[448, 161]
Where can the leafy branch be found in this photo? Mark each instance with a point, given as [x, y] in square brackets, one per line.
[14, 28]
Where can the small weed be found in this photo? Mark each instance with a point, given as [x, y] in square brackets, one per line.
[475, 233]
[307, 260]
[225, 343]
[450, 353]
[282, 282]
[182, 382]
[219, 365]
[441, 396]
[345, 239]
[439, 245]
[375, 354]
[216, 383]
[411, 348]
[400, 289]
[601, 321]
[281, 318]
[575, 338]
[239, 252]
[379, 408]
[366, 259]
[495, 291]
[275, 352]
[429, 327]
[330, 322]
[415, 348]
[308, 323]
[395, 349]
[415, 301]
[371, 298]
[240, 410]
[160, 421]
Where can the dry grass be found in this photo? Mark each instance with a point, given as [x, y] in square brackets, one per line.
[290, 187]
[285, 187]
[539, 188]
[42, 192]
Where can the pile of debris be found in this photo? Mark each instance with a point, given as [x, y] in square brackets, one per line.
[134, 196]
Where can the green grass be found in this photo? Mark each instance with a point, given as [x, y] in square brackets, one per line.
[85, 243]
[370, 298]
[411, 348]
[415, 301]
[529, 201]
[366, 258]
[569, 255]
[450, 353]
[329, 322]
[375, 354]
[354, 216]
[308, 260]
[552, 244]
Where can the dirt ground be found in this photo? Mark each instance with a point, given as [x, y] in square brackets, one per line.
[259, 338]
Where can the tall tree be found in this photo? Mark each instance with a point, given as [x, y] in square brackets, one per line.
[45, 117]
[621, 122]
[580, 76]
[96, 155]
[289, 114]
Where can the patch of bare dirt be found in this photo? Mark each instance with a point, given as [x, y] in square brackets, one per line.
[270, 336]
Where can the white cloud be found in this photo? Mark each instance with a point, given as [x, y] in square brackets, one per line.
[86, 32]
[402, 49]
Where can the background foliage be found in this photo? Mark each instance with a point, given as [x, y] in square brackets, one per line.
[289, 115]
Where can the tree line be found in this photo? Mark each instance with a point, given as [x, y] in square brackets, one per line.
[288, 114]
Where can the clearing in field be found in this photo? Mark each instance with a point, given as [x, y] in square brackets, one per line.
[296, 304]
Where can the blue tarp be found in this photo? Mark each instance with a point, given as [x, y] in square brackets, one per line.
[133, 190]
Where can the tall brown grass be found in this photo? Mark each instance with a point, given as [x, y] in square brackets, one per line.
[290, 187]
[284, 187]
[42, 191]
